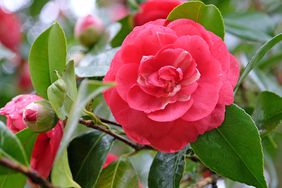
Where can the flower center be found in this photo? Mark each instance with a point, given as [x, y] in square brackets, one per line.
[167, 78]
[166, 73]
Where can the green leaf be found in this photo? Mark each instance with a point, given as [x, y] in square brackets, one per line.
[57, 96]
[268, 111]
[36, 7]
[234, 149]
[61, 175]
[62, 92]
[96, 65]
[88, 90]
[207, 15]
[167, 170]
[126, 27]
[15, 180]
[70, 80]
[27, 139]
[258, 56]
[11, 148]
[142, 162]
[118, 174]
[254, 26]
[87, 154]
[47, 55]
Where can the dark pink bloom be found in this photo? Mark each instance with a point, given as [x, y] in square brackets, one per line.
[10, 30]
[154, 9]
[174, 80]
[46, 145]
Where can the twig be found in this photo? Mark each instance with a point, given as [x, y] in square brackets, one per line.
[193, 158]
[109, 122]
[206, 181]
[90, 124]
[32, 175]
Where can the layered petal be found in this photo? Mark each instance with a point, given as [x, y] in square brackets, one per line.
[45, 150]
[171, 112]
[206, 96]
[173, 83]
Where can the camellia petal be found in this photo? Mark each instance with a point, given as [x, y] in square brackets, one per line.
[171, 112]
[139, 100]
[126, 77]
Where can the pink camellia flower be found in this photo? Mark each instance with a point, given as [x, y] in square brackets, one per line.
[174, 80]
[110, 158]
[154, 9]
[88, 30]
[47, 143]
[10, 30]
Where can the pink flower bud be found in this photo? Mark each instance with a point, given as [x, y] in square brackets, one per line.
[88, 30]
[39, 116]
[47, 143]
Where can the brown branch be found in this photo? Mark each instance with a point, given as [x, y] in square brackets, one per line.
[109, 122]
[32, 175]
[90, 124]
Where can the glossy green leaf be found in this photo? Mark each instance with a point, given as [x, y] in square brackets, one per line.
[11, 148]
[126, 27]
[258, 56]
[234, 149]
[61, 174]
[207, 15]
[47, 55]
[88, 90]
[63, 91]
[253, 26]
[119, 174]
[142, 162]
[27, 139]
[167, 170]
[268, 111]
[96, 65]
[87, 154]
[14, 180]
[57, 95]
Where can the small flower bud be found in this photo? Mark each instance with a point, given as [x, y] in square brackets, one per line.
[88, 30]
[39, 116]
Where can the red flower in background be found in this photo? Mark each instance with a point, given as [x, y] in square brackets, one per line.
[153, 10]
[118, 12]
[24, 81]
[174, 80]
[47, 143]
[10, 30]
[110, 158]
